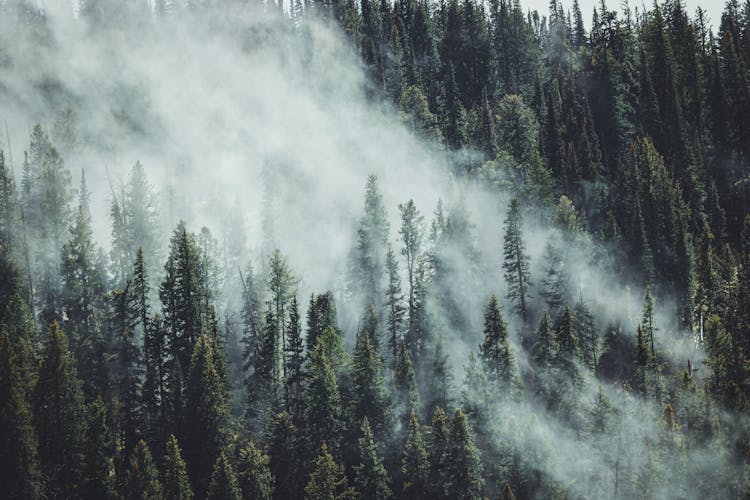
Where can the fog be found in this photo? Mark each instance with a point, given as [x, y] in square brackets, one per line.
[214, 115]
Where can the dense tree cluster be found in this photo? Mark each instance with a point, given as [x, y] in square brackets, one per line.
[128, 374]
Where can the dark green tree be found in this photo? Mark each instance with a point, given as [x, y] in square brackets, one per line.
[253, 473]
[370, 476]
[60, 416]
[327, 479]
[515, 260]
[143, 477]
[463, 465]
[415, 465]
[176, 480]
[224, 484]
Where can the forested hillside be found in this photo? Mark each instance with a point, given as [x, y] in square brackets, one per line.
[339, 249]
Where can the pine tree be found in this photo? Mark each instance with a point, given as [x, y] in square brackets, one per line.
[83, 287]
[20, 475]
[321, 315]
[367, 265]
[568, 351]
[143, 477]
[412, 233]
[438, 455]
[544, 348]
[99, 472]
[555, 286]
[281, 282]
[495, 350]
[370, 399]
[224, 484]
[370, 477]
[394, 305]
[406, 396]
[327, 480]
[154, 393]
[295, 361]
[176, 481]
[463, 464]
[205, 415]
[415, 465]
[180, 295]
[516, 262]
[283, 451]
[253, 473]
[323, 401]
[60, 416]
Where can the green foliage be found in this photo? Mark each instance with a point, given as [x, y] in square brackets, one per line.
[415, 465]
[20, 475]
[143, 478]
[464, 468]
[370, 477]
[253, 473]
[60, 415]
[176, 480]
[327, 480]
[224, 484]
[515, 260]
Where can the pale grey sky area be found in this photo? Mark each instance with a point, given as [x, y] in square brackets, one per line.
[714, 8]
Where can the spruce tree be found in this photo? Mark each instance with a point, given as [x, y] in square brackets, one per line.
[415, 465]
[516, 261]
[205, 415]
[464, 468]
[568, 351]
[176, 481]
[394, 305]
[370, 399]
[438, 455]
[327, 480]
[495, 350]
[99, 474]
[370, 477]
[20, 475]
[323, 402]
[295, 360]
[253, 473]
[224, 484]
[143, 477]
[283, 452]
[60, 416]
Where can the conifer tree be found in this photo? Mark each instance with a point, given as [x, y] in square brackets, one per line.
[463, 465]
[205, 415]
[323, 401]
[295, 360]
[544, 348]
[438, 455]
[412, 233]
[515, 260]
[143, 477]
[415, 465]
[370, 477]
[154, 393]
[568, 351]
[60, 416]
[495, 350]
[327, 479]
[370, 399]
[283, 451]
[372, 237]
[176, 481]
[20, 475]
[394, 305]
[224, 484]
[253, 473]
[99, 472]
[321, 315]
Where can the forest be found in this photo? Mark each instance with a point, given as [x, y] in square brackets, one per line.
[345, 249]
